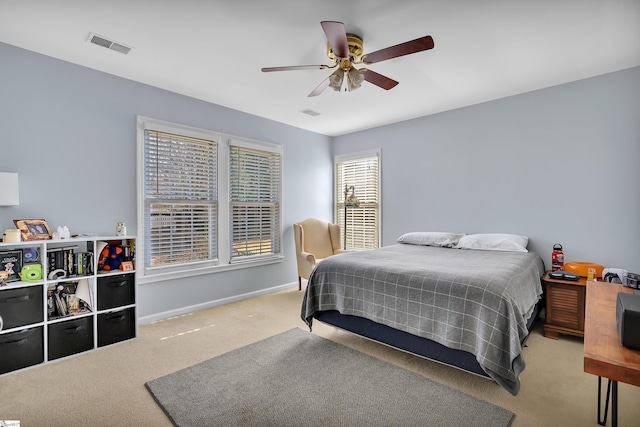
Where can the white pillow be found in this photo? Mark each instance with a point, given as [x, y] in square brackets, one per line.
[430, 238]
[494, 242]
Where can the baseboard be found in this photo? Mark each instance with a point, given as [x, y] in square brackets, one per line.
[210, 304]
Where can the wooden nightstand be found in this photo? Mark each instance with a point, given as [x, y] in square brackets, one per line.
[564, 306]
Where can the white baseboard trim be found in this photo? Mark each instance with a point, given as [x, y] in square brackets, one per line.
[209, 304]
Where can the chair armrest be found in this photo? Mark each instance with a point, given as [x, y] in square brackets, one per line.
[310, 257]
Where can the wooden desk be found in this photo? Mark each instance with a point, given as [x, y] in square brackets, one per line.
[604, 356]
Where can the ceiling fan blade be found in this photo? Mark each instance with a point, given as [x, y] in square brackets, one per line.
[320, 88]
[337, 37]
[379, 80]
[295, 67]
[406, 48]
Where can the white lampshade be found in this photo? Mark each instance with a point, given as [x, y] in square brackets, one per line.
[9, 195]
[354, 79]
[335, 79]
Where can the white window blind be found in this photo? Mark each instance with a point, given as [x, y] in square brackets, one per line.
[180, 199]
[254, 197]
[360, 225]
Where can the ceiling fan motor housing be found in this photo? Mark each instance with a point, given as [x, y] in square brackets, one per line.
[355, 49]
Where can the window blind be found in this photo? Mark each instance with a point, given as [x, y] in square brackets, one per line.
[359, 226]
[254, 196]
[180, 199]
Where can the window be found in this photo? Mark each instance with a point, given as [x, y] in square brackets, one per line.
[207, 201]
[254, 175]
[180, 199]
[358, 174]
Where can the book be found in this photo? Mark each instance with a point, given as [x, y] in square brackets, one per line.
[78, 263]
[59, 260]
[51, 260]
[11, 263]
[52, 310]
[83, 263]
[67, 262]
[62, 259]
[61, 306]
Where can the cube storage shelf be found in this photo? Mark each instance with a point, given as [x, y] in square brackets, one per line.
[48, 317]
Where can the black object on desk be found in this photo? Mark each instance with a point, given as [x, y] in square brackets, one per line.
[628, 319]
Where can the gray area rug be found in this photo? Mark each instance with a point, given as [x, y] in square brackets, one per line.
[299, 379]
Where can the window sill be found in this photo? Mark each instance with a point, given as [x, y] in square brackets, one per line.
[141, 279]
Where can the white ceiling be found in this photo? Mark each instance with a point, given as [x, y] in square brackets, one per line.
[213, 50]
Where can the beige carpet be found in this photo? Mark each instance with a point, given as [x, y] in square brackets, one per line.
[106, 387]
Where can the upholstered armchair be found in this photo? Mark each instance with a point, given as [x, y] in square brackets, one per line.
[315, 241]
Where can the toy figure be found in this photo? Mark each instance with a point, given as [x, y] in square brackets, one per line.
[110, 258]
[4, 275]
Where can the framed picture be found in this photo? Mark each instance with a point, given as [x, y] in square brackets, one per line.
[33, 229]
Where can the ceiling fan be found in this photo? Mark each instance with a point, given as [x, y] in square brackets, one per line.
[345, 50]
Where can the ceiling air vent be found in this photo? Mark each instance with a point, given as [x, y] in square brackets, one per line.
[310, 112]
[109, 44]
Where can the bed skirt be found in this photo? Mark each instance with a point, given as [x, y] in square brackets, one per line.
[408, 342]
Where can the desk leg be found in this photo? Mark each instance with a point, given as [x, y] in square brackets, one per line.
[614, 403]
[603, 421]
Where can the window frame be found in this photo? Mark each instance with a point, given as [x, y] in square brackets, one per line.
[339, 195]
[222, 262]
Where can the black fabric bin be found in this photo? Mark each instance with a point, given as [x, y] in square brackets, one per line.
[116, 291]
[21, 306]
[116, 326]
[70, 337]
[21, 349]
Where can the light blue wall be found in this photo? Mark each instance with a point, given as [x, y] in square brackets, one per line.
[70, 133]
[558, 165]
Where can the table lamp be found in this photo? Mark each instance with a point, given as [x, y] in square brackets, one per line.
[9, 195]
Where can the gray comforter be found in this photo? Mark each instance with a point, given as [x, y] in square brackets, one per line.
[472, 300]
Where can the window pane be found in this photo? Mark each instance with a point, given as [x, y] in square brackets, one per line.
[254, 202]
[362, 222]
[180, 188]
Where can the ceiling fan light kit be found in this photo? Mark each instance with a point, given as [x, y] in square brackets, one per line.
[355, 78]
[335, 79]
[346, 50]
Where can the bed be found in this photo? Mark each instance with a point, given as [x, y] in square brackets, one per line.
[470, 308]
